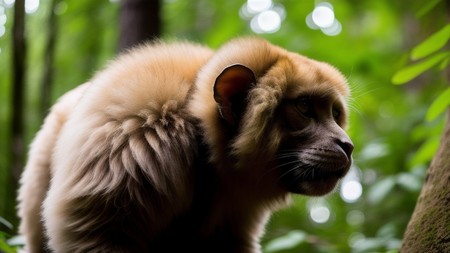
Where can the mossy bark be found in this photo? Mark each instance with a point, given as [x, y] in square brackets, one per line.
[429, 227]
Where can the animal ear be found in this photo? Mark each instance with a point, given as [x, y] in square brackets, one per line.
[231, 89]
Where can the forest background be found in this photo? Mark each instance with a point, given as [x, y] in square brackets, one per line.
[377, 44]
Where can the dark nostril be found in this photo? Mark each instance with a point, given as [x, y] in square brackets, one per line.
[347, 146]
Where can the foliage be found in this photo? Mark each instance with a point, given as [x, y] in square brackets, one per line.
[393, 143]
[427, 49]
[7, 244]
[432, 52]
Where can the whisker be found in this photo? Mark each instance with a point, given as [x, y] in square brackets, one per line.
[286, 163]
[277, 167]
[285, 173]
[279, 157]
[289, 157]
[287, 153]
[307, 170]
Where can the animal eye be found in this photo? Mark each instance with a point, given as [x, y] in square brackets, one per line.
[304, 106]
[336, 113]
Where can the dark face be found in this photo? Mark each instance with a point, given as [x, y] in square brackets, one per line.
[316, 152]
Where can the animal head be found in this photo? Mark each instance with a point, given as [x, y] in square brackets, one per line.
[271, 113]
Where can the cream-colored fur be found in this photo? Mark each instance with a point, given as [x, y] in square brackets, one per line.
[36, 176]
[139, 159]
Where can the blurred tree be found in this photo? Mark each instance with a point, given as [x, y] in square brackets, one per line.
[140, 21]
[49, 58]
[429, 227]
[17, 103]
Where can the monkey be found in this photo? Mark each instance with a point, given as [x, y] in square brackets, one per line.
[175, 147]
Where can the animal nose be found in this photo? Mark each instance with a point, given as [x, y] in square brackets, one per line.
[346, 145]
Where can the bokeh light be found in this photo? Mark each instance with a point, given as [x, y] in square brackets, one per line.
[257, 6]
[8, 3]
[351, 191]
[334, 29]
[266, 22]
[3, 19]
[320, 214]
[351, 188]
[264, 15]
[310, 23]
[323, 18]
[319, 210]
[31, 6]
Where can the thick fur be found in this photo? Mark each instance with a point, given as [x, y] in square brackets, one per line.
[140, 159]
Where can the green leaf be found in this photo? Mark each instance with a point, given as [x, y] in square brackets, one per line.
[439, 105]
[380, 190]
[432, 44]
[409, 181]
[4, 247]
[426, 152]
[18, 240]
[410, 72]
[444, 64]
[6, 223]
[427, 7]
[288, 241]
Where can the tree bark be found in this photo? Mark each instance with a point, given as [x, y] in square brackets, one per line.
[47, 78]
[429, 227]
[140, 21]
[17, 105]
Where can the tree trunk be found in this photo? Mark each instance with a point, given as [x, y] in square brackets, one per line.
[47, 78]
[17, 106]
[140, 21]
[429, 227]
